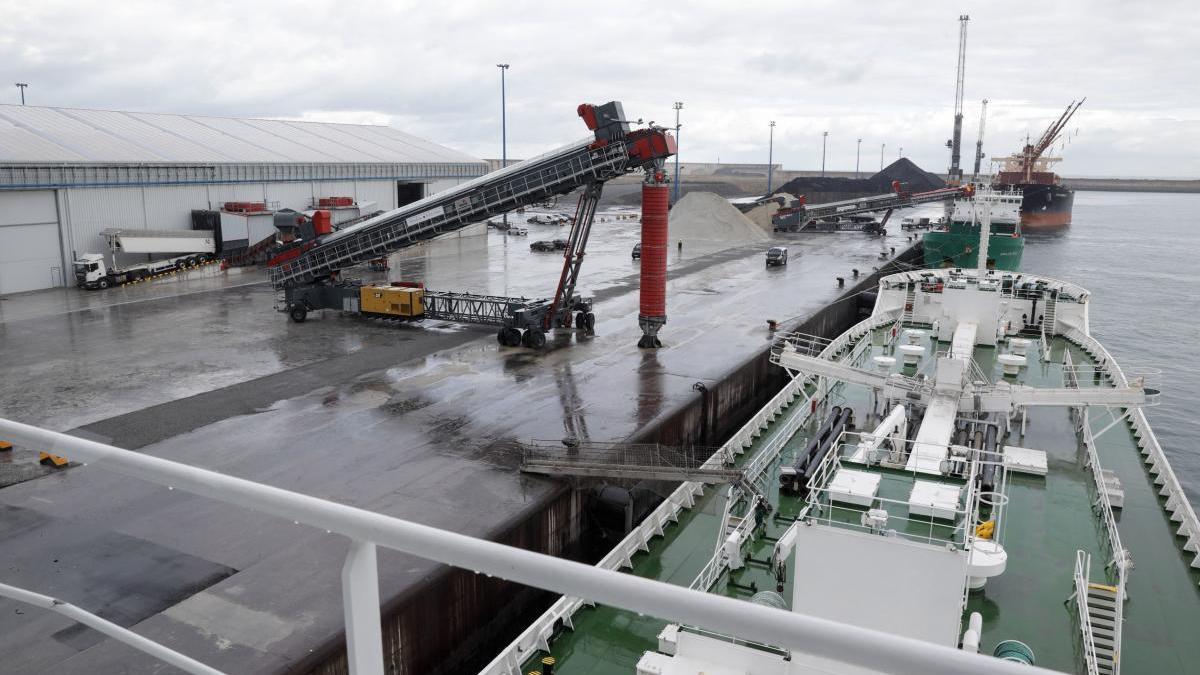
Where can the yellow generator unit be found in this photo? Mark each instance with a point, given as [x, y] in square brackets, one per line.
[393, 302]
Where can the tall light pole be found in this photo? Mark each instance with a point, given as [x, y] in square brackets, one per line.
[857, 157]
[881, 148]
[770, 155]
[503, 128]
[678, 106]
[21, 86]
[900, 155]
[824, 135]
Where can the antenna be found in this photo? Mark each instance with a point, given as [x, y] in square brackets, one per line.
[955, 143]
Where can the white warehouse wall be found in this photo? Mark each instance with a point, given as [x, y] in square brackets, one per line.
[82, 213]
[89, 210]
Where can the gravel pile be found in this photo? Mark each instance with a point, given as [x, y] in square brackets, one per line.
[709, 217]
[913, 177]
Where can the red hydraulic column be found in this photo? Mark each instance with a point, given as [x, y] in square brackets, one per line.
[655, 206]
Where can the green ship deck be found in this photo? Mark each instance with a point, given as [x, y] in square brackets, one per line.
[1048, 518]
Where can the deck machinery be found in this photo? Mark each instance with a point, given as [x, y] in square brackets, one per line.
[308, 274]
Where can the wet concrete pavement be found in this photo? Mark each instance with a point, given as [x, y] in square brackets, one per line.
[407, 420]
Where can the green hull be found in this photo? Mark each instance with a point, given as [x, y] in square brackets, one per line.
[961, 249]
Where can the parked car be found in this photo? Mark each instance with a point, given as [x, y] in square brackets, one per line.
[777, 255]
[637, 250]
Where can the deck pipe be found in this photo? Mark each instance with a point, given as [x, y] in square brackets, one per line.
[792, 480]
[988, 473]
[814, 460]
[653, 309]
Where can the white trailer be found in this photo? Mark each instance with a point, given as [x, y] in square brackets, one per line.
[196, 247]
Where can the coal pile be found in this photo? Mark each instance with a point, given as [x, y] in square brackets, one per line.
[911, 176]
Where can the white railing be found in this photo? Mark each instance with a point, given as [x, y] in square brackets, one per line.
[1177, 505]
[822, 638]
[1120, 556]
[538, 634]
[1083, 565]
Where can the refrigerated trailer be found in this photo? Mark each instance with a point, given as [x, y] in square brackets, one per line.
[194, 246]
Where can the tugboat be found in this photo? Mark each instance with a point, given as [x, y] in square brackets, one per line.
[957, 243]
[1047, 203]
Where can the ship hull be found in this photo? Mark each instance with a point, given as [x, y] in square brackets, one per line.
[961, 249]
[1045, 207]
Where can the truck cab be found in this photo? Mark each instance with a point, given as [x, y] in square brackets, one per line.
[90, 271]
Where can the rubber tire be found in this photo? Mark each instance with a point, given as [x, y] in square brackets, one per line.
[581, 320]
[537, 339]
[298, 313]
[591, 321]
[509, 337]
[526, 336]
[500, 337]
[143, 274]
[103, 283]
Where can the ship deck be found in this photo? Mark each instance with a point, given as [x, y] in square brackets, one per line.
[1047, 519]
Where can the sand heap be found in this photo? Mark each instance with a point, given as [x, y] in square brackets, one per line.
[762, 214]
[709, 217]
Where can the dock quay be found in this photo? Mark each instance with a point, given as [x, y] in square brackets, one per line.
[412, 421]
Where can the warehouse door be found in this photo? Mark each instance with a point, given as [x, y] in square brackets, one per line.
[30, 254]
[407, 193]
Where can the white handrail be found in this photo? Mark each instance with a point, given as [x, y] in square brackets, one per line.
[1178, 506]
[819, 637]
[1119, 555]
[164, 654]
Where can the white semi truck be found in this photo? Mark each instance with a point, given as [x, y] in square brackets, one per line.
[195, 247]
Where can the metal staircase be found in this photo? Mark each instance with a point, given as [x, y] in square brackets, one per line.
[1099, 608]
[1102, 616]
[1049, 317]
[910, 305]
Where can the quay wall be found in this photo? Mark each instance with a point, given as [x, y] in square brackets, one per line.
[457, 620]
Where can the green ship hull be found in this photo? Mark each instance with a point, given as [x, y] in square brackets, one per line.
[956, 248]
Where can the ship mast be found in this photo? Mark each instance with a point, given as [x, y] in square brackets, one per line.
[955, 142]
[979, 141]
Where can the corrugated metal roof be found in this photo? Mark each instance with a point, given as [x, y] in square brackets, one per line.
[74, 135]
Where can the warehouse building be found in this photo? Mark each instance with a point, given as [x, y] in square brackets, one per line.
[67, 174]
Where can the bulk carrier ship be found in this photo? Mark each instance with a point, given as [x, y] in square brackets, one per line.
[1047, 203]
[964, 481]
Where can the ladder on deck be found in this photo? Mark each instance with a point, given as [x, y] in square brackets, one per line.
[1102, 616]
[910, 305]
[1099, 609]
[1049, 316]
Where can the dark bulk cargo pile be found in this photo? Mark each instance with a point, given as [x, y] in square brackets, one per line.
[828, 189]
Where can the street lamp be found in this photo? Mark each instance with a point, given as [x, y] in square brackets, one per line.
[824, 135]
[900, 155]
[503, 128]
[21, 86]
[678, 106]
[770, 155]
[881, 147]
[857, 156]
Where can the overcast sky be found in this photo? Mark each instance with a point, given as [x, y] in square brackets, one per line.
[880, 71]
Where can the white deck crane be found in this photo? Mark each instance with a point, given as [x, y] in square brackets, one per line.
[955, 142]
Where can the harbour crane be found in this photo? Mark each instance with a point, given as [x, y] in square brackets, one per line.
[955, 142]
[307, 274]
[979, 141]
[1021, 168]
